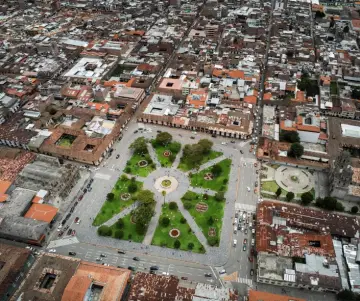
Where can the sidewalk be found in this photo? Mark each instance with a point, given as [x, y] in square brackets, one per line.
[121, 214]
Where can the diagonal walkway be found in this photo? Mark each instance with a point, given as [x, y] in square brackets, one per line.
[193, 225]
[121, 214]
[153, 156]
[202, 190]
[177, 160]
[208, 164]
[154, 221]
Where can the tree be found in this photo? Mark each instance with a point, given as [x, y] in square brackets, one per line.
[216, 170]
[346, 295]
[177, 244]
[210, 221]
[110, 196]
[339, 206]
[190, 246]
[139, 146]
[124, 178]
[120, 223]
[206, 145]
[289, 136]
[296, 150]
[354, 209]
[104, 231]
[307, 198]
[163, 193]
[278, 192]
[192, 154]
[205, 196]
[145, 196]
[220, 196]
[183, 220]
[319, 14]
[290, 196]
[132, 187]
[187, 205]
[165, 221]
[163, 138]
[329, 203]
[173, 206]
[319, 202]
[119, 234]
[175, 147]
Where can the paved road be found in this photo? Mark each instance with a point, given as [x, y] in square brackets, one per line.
[90, 252]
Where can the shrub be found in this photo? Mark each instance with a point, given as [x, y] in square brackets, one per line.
[183, 220]
[110, 196]
[205, 196]
[190, 246]
[132, 187]
[153, 166]
[120, 223]
[173, 206]
[201, 249]
[220, 196]
[189, 230]
[128, 162]
[172, 158]
[130, 236]
[119, 234]
[339, 206]
[165, 221]
[124, 178]
[177, 244]
[187, 205]
[128, 169]
[225, 181]
[210, 221]
[290, 196]
[104, 231]
[213, 241]
[175, 147]
[307, 198]
[354, 209]
[216, 170]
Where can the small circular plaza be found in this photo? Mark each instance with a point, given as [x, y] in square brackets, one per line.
[167, 183]
[294, 179]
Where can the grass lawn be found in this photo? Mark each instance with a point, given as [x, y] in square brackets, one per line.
[129, 228]
[163, 239]
[211, 156]
[215, 209]
[269, 186]
[159, 150]
[110, 208]
[135, 169]
[218, 183]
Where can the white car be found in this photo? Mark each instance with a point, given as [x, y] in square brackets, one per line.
[223, 143]
[244, 163]
[235, 243]
[166, 274]
[223, 271]
[52, 251]
[248, 189]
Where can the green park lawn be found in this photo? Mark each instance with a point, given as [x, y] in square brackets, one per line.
[215, 209]
[211, 156]
[160, 149]
[110, 208]
[218, 183]
[133, 168]
[271, 186]
[128, 229]
[162, 238]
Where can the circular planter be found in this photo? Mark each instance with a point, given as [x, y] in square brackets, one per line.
[165, 183]
[174, 233]
[201, 207]
[212, 232]
[125, 196]
[143, 163]
[167, 153]
[208, 176]
[294, 178]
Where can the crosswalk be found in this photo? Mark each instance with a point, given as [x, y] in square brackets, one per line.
[246, 281]
[99, 175]
[246, 207]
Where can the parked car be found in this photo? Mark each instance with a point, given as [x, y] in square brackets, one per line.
[232, 141]
[239, 227]
[67, 227]
[117, 156]
[77, 220]
[98, 259]
[184, 278]
[235, 229]
[223, 271]
[244, 247]
[131, 268]
[72, 253]
[73, 233]
[208, 275]
[256, 184]
[257, 171]
[102, 255]
[223, 143]
[253, 242]
[252, 251]
[85, 190]
[136, 258]
[251, 272]
[69, 231]
[158, 131]
[246, 231]
[61, 233]
[52, 251]
[235, 242]
[135, 131]
[152, 272]
[250, 259]
[236, 214]
[255, 164]
[154, 268]
[121, 252]
[80, 197]
[241, 152]
[192, 137]
[90, 188]
[245, 241]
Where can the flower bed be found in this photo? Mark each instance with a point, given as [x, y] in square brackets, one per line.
[174, 233]
[208, 176]
[166, 183]
[167, 153]
[125, 196]
[201, 207]
[143, 163]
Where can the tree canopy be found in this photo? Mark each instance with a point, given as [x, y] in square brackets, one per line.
[289, 136]
[145, 196]
[290, 196]
[163, 138]
[307, 198]
[296, 150]
[216, 170]
[193, 153]
[307, 84]
[139, 146]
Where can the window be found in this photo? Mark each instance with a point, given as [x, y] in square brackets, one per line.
[169, 84]
[48, 281]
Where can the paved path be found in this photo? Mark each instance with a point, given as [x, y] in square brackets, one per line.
[177, 159]
[121, 214]
[202, 190]
[153, 155]
[208, 164]
[193, 225]
[154, 221]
